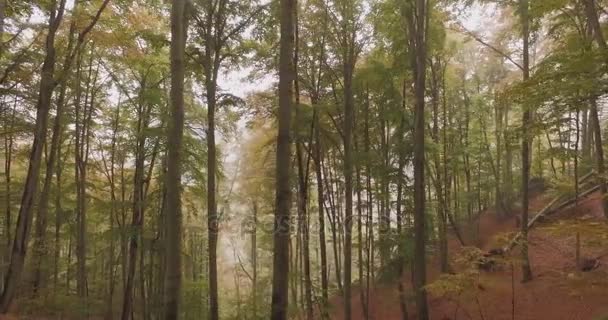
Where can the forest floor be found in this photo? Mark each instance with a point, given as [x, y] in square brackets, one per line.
[557, 292]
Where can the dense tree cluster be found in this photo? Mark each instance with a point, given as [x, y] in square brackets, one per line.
[139, 184]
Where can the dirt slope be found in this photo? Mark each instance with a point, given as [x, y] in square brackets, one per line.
[558, 292]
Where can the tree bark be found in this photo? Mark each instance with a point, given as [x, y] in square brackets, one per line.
[137, 205]
[418, 33]
[254, 261]
[400, 233]
[173, 265]
[113, 210]
[59, 219]
[83, 113]
[280, 273]
[439, 180]
[321, 203]
[348, 181]
[8, 158]
[212, 216]
[303, 168]
[525, 148]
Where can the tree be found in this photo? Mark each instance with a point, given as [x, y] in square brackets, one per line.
[283, 190]
[219, 28]
[25, 211]
[596, 31]
[48, 82]
[418, 23]
[526, 142]
[173, 269]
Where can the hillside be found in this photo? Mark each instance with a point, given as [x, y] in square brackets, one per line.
[557, 292]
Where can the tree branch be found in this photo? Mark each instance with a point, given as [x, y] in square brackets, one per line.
[463, 30]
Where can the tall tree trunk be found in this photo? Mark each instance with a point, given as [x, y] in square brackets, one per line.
[173, 216]
[333, 220]
[467, 162]
[439, 193]
[508, 167]
[360, 241]
[2, 23]
[59, 219]
[280, 272]
[143, 114]
[400, 233]
[8, 158]
[113, 211]
[254, 262]
[321, 203]
[303, 220]
[212, 216]
[81, 148]
[348, 178]
[525, 148]
[24, 220]
[586, 142]
[303, 169]
[498, 119]
[369, 221]
[418, 32]
[43, 204]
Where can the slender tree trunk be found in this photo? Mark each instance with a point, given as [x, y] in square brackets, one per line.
[2, 23]
[360, 243]
[508, 167]
[498, 118]
[303, 168]
[137, 208]
[59, 219]
[348, 181]
[526, 142]
[321, 202]
[439, 192]
[81, 147]
[212, 216]
[448, 218]
[369, 221]
[576, 154]
[333, 218]
[142, 278]
[113, 210]
[467, 164]
[123, 222]
[68, 275]
[8, 158]
[400, 233]
[254, 262]
[586, 141]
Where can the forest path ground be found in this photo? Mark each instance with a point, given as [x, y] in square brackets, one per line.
[557, 292]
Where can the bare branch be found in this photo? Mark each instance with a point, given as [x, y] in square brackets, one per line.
[478, 38]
